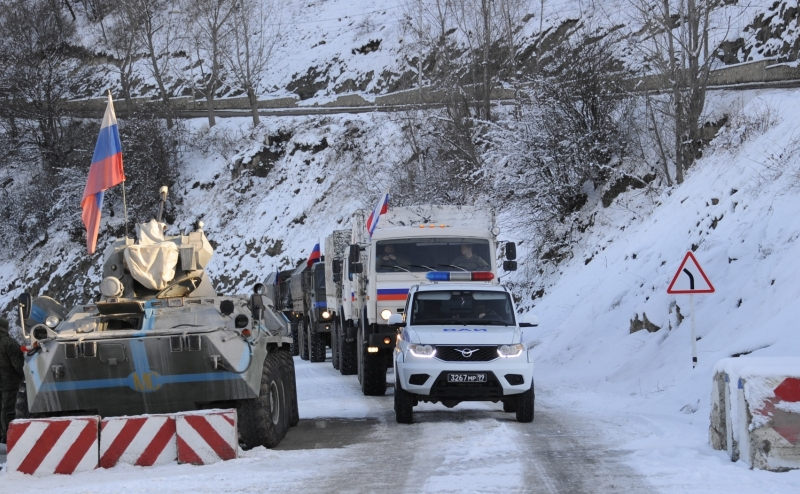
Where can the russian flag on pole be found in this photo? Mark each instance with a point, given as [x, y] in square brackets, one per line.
[381, 208]
[314, 257]
[106, 172]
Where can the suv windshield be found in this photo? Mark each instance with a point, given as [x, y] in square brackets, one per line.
[462, 307]
[432, 254]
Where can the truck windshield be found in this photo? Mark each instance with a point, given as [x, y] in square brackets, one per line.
[432, 254]
[462, 307]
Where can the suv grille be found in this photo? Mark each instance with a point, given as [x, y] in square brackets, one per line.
[481, 353]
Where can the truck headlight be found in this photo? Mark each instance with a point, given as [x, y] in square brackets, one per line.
[507, 351]
[386, 314]
[424, 351]
[326, 314]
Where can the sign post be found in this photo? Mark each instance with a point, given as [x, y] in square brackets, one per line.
[690, 279]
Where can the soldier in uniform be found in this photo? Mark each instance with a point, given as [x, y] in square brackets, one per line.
[11, 376]
[470, 261]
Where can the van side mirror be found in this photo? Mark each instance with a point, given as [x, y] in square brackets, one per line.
[337, 266]
[529, 321]
[355, 253]
[356, 268]
[509, 265]
[25, 304]
[396, 321]
[511, 252]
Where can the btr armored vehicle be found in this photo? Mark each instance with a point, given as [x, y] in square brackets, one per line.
[161, 340]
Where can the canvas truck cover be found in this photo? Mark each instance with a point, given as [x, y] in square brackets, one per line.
[335, 246]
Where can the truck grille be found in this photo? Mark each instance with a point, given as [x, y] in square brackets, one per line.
[480, 353]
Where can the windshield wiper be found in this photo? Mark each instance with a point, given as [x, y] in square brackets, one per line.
[454, 266]
[394, 266]
[422, 266]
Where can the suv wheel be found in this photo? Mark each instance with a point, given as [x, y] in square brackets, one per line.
[403, 405]
[525, 406]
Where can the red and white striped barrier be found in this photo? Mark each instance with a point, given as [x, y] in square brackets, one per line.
[143, 440]
[207, 436]
[755, 411]
[57, 445]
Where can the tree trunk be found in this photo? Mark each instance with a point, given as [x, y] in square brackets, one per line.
[487, 39]
[251, 95]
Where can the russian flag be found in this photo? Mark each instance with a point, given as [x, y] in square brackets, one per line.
[314, 257]
[381, 208]
[106, 172]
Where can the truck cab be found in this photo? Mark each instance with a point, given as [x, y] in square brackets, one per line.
[461, 342]
[309, 298]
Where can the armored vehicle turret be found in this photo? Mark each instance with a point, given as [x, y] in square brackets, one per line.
[161, 340]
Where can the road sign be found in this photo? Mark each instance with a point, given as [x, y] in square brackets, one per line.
[690, 278]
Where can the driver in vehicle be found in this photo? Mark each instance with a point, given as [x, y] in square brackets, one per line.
[389, 259]
[469, 261]
[483, 312]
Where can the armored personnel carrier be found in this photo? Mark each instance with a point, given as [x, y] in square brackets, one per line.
[161, 340]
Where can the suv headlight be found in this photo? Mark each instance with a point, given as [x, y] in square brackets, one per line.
[424, 351]
[507, 351]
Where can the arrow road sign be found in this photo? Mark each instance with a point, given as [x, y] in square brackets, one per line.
[690, 278]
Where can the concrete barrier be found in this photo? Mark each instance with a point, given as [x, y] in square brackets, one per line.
[144, 440]
[56, 445]
[207, 436]
[755, 411]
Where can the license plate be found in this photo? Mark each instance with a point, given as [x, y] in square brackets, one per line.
[466, 378]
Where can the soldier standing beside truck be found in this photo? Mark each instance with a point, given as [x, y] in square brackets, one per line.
[11, 376]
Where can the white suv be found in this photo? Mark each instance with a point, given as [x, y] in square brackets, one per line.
[461, 342]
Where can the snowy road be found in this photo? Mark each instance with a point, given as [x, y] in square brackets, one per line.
[346, 442]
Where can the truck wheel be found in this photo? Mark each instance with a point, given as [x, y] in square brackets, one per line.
[295, 345]
[301, 331]
[403, 405]
[348, 360]
[525, 406]
[291, 388]
[316, 343]
[263, 420]
[335, 345]
[360, 355]
[510, 405]
[373, 379]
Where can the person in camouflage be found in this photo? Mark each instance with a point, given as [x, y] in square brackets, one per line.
[11, 376]
[470, 261]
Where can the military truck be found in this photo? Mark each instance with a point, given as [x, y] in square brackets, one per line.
[279, 290]
[343, 347]
[458, 243]
[161, 340]
[309, 300]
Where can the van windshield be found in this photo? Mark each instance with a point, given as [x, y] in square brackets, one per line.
[462, 307]
[432, 254]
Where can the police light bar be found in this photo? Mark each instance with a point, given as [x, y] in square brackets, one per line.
[460, 276]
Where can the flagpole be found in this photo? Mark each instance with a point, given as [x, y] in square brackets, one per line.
[125, 209]
[124, 200]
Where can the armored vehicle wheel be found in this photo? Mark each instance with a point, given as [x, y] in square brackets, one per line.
[403, 406]
[316, 344]
[295, 346]
[302, 335]
[510, 405]
[348, 358]
[525, 406]
[373, 373]
[291, 389]
[335, 345]
[263, 421]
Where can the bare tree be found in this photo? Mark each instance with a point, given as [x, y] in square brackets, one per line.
[124, 41]
[256, 30]
[676, 44]
[153, 27]
[209, 22]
